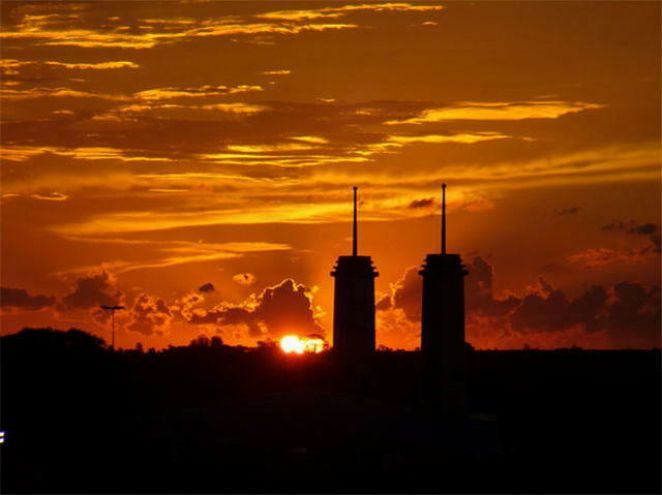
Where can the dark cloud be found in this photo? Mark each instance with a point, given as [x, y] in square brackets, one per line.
[149, 315]
[480, 299]
[635, 309]
[384, 303]
[226, 314]
[541, 313]
[644, 229]
[406, 293]
[287, 307]
[550, 310]
[586, 309]
[625, 310]
[205, 288]
[284, 308]
[568, 211]
[628, 309]
[421, 203]
[652, 230]
[91, 291]
[20, 299]
[632, 227]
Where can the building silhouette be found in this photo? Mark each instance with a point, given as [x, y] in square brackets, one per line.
[442, 326]
[354, 302]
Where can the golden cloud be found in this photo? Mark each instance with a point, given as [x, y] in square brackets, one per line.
[499, 111]
[237, 108]
[341, 11]
[607, 164]
[311, 139]
[22, 153]
[288, 161]
[62, 31]
[157, 110]
[244, 278]
[33, 93]
[268, 148]
[299, 15]
[83, 38]
[145, 221]
[197, 92]
[56, 196]
[180, 21]
[464, 138]
[283, 72]
[112, 64]
[281, 154]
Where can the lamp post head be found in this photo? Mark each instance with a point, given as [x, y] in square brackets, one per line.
[112, 308]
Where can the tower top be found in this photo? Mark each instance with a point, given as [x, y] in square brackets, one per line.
[355, 229]
[443, 219]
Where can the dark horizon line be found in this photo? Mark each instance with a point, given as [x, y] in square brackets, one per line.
[268, 344]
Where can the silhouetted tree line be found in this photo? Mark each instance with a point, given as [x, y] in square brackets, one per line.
[208, 417]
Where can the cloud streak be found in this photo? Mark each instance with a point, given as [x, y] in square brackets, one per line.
[34, 93]
[499, 111]
[207, 91]
[66, 30]
[12, 64]
[344, 10]
[174, 253]
[22, 153]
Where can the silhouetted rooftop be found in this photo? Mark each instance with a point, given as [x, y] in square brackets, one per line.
[442, 262]
[355, 264]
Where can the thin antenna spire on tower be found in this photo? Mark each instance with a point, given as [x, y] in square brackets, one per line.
[443, 219]
[355, 232]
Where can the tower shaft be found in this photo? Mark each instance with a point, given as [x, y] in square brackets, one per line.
[442, 331]
[354, 307]
[443, 346]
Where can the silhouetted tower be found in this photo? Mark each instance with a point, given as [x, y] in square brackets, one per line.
[442, 332]
[354, 302]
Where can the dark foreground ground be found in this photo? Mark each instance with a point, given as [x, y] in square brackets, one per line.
[80, 418]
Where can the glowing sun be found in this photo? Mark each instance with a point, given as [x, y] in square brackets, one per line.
[293, 344]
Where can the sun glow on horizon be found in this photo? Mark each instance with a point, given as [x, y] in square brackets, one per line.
[293, 344]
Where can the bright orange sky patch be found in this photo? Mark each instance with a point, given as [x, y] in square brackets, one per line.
[152, 149]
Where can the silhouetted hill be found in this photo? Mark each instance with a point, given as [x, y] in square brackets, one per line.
[79, 417]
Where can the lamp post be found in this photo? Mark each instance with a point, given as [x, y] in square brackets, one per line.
[112, 310]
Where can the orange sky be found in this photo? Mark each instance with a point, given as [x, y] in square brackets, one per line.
[150, 149]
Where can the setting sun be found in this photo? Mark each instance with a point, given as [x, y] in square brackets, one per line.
[293, 344]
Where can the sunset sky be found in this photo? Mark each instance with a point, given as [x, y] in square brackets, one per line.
[194, 161]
